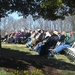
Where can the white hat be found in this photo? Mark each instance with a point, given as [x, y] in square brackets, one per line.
[48, 34]
[55, 32]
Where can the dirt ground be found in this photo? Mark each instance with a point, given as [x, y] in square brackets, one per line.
[11, 65]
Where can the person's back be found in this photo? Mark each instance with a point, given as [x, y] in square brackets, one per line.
[62, 37]
[50, 42]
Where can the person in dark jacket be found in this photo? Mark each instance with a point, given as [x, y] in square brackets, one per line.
[62, 36]
[68, 43]
[50, 42]
[62, 39]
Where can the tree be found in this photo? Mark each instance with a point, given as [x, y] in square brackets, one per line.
[8, 24]
[0, 35]
[71, 19]
[50, 9]
[30, 22]
[0, 38]
[55, 9]
[22, 24]
[41, 22]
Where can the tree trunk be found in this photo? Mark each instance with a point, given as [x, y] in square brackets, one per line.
[0, 40]
[74, 27]
[0, 36]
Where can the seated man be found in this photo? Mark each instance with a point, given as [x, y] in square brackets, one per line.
[63, 46]
[51, 42]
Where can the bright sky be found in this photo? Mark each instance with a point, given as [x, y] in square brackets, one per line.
[15, 15]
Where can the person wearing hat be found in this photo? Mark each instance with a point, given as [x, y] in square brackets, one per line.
[51, 42]
[55, 32]
[68, 43]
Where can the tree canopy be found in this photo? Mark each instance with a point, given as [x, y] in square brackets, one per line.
[50, 9]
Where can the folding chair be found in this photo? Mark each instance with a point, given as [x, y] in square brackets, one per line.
[71, 52]
[52, 50]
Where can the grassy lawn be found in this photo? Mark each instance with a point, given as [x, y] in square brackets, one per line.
[17, 57]
[18, 47]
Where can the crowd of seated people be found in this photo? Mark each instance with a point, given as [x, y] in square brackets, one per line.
[66, 41]
[41, 40]
[17, 37]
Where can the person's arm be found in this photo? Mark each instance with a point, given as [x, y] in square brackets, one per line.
[71, 40]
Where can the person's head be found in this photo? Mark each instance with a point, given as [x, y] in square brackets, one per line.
[71, 33]
[55, 33]
[6, 33]
[48, 34]
[63, 33]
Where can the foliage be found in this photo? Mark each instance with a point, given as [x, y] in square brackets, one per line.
[55, 9]
[17, 72]
[37, 72]
[2, 72]
[50, 9]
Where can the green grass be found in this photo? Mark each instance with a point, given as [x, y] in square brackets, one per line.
[66, 72]
[18, 47]
[63, 65]
[22, 48]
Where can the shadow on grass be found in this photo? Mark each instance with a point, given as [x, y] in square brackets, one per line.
[15, 59]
